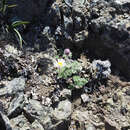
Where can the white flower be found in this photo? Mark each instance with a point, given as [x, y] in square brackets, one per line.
[60, 63]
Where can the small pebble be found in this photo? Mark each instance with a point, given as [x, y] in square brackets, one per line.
[90, 127]
[123, 110]
[102, 89]
[128, 92]
[88, 89]
[85, 98]
[115, 97]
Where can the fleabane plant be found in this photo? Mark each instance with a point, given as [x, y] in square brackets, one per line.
[78, 82]
[69, 69]
[72, 67]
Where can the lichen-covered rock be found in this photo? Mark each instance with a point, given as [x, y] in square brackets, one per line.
[20, 122]
[63, 111]
[34, 110]
[107, 26]
[110, 34]
[78, 5]
[14, 86]
[68, 24]
[80, 116]
[90, 127]
[37, 126]
[4, 122]
[16, 105]
[65, 93]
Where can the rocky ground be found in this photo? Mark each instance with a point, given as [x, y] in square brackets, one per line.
[31, 95]
[33, 98]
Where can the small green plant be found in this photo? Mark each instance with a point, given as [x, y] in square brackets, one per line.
[69, 69]
[78, 82]
[71, 72]
[13, 27]
[3, 6]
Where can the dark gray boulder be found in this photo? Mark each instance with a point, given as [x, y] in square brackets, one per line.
[4, 122]
[28, 9]
[16, 105]
[110, 33]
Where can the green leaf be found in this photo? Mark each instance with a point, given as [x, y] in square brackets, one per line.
[11, 6]
[19, 37]
[70, 69]
[18, 23]
[4, 6]
[78, 81]
[56, 56]
[71, 86]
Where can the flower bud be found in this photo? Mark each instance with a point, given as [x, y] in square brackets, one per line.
[67, 51]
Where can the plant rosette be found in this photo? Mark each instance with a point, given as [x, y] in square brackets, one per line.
[78, 82]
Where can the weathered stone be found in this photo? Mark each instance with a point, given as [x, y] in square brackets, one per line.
[110, 35]
[78, 5]
[115, 97]
[102, 68]
[20, 122]
[31, 9]
[16, 85]
[34, 110]
[80, 116]
[128, 92]
[69, 2]
[121, 2]
[4, 122]
[90, 127]
[65, 93]
[16, 105]
[54, 16]
[7, 66]
[110, 102]
[37, 126]
[1, 106]
[46, 101]
[46, 31]
[11, 50]
[63, 111]
[79, 38]
[68, 24]
[78, 23]
[85, 98]
[13, 87]
[66, 10]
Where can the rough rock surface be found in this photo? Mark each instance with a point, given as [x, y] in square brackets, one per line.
[43, 102]
[16, 105]
[63, 111]
[4, 122]
[110, 26]
[100, 25]
[31, 8]
[13, 87]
